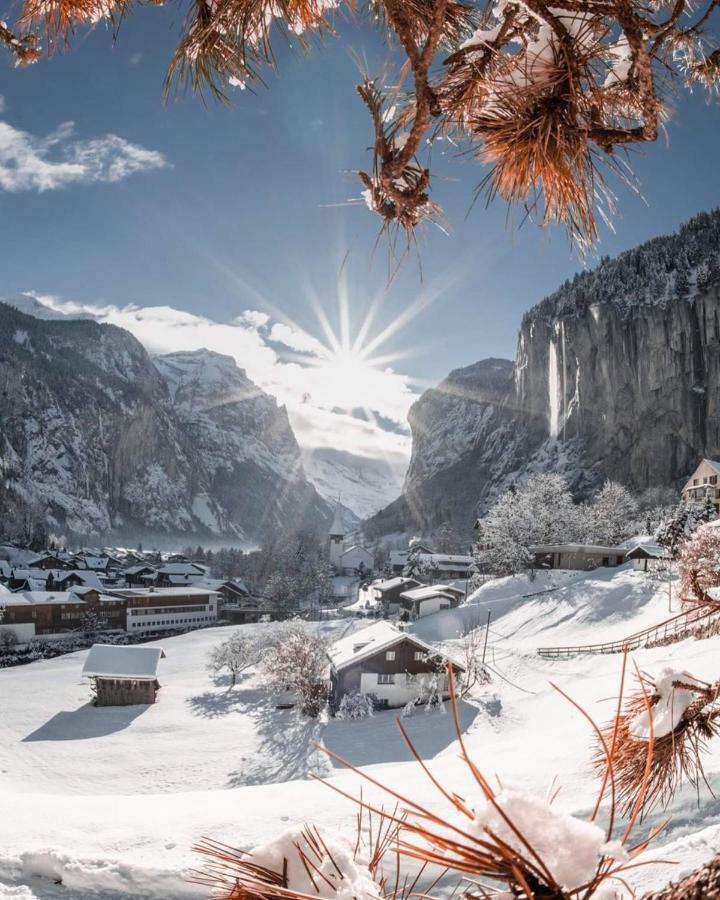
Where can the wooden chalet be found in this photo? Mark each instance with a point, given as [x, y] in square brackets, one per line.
[385, 663]
[428, 599]
[388, 592]
[123, 676]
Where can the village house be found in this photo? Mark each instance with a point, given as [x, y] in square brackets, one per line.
[703, 484]
[180, 573]
[30, 614]
[428, 599]
[140, 574]
[50, 561]
[399, 558]
[448, 566]
[647, 557]
[580, 557]
[123, 676]
[165, 609]
[356, 560]
[388, 592]
[385, 663]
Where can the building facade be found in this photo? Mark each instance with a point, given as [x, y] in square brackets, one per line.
[386, 664]
[703, 484]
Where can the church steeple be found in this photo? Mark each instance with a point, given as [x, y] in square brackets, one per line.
[337, 529]
[336, 536]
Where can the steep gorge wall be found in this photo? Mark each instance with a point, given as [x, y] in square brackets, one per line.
[617, 375]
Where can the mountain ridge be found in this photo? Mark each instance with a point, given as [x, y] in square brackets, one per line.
[96, 437]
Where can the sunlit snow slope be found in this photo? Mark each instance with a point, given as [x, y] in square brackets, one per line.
[111, 800]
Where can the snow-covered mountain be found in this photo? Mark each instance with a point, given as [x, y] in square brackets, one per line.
[615, 376]
[364, 485]
[97, 437]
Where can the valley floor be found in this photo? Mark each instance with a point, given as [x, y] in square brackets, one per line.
[107, 803]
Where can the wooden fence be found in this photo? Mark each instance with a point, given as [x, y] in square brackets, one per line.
[671, 630]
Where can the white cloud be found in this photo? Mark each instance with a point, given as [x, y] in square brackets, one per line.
[2, 103]
[30, 163]
[313, 392]
[295, 340]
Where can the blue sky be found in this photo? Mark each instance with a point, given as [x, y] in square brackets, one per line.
[214, 210]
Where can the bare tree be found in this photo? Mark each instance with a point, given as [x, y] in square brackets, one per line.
[544, 92]
[235, 654]
[472, 648]
[297, 661]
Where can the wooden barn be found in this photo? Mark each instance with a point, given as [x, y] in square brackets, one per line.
[123, 676]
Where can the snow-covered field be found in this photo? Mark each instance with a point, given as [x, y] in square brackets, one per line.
[106, 803]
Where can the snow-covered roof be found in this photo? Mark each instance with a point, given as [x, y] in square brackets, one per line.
[182, 569]
[337, 529]
[135, 570]
[215, 584]
[428, 591]
[646, 551]
[89, 579]
[447, 558]
[4, 590]
[99, 563]
[366, 642]
[371, 640]
[190, 591]
[576, 548]
[393, 583]
[188, 578]
[114, 661]
[355, 548]
[40, 598]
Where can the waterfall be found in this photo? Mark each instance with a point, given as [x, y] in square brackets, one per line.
[563, 420]
[553, 389]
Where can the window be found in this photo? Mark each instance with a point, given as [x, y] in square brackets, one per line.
[695, 481]
[390, 655]
[420, 655]
[385, 679]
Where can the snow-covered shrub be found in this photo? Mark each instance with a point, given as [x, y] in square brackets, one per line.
[303, 861]
[409, 709]
[355, 705]
[700, 564]
[8, 640]
[681, 714]
[570, 849]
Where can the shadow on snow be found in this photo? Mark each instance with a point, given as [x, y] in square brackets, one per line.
[86, 722]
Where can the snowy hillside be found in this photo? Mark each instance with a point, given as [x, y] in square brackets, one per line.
[363, 484]
[111, 800]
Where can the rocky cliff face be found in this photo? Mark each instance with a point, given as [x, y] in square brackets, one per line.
[251, 473]
[97, 438]
[617, 376]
